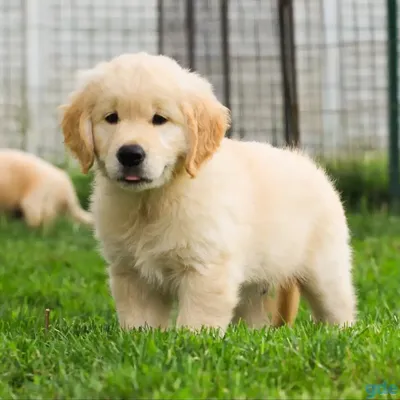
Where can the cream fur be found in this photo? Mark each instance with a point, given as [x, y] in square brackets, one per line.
[37, 188]
[252, 216]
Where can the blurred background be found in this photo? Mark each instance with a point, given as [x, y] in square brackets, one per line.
[321, 74]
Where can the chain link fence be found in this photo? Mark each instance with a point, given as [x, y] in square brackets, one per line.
[340, 64]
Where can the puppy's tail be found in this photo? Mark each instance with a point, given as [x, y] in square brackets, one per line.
[75, 210]
[79, 214]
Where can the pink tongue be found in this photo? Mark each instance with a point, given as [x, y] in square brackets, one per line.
[132, 178]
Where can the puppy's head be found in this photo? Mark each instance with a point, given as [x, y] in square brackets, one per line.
[140, 116]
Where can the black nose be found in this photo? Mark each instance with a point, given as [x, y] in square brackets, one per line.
[130, 155]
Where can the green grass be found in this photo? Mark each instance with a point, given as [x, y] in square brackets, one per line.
[85, 355]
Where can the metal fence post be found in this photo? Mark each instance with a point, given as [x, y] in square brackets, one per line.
[190, 31]
[226, 60]
[33, 80]
[393, 100]
[24, 111]
[160, 27]
[288, 67]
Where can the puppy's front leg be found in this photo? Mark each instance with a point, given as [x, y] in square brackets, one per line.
[206, 300]
[137, 303]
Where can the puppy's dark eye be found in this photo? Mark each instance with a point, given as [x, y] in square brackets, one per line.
[159, 120]
[112, 118]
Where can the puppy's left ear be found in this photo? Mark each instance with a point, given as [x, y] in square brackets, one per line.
[77, 130]
[207, 121]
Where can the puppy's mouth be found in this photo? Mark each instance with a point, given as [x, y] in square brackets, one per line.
[132, 180]
[136, 178]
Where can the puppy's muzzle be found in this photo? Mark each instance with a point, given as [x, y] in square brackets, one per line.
[131, 155]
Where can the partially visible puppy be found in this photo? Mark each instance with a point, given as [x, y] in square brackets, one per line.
[36, 190]
[182, 212]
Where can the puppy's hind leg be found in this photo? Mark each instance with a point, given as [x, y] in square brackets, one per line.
[328, 285]
[39, 208]
[31, 208]
[287, 304]
[49, 215]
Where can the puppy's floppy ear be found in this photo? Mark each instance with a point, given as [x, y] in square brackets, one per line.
[207, 121]
[77, 130]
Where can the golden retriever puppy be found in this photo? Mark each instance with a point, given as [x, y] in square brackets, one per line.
[37, 189]
[182, 212]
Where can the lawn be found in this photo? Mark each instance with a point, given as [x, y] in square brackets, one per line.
[83, 354]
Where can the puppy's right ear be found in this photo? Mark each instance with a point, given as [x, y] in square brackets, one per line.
[77, 130]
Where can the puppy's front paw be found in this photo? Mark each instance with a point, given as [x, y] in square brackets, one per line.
[197, 328]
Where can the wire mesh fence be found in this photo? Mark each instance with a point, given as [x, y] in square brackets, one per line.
[340, 64]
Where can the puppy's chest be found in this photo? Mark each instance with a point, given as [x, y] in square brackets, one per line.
[161, 251]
